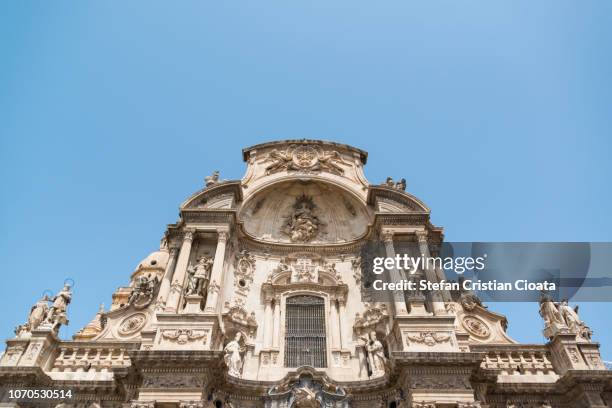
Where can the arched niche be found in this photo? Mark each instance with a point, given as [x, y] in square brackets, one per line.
[326, 212]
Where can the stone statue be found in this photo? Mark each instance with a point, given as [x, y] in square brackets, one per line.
[572, 320]
[38, 313]
[551, 315]
[570, 316]
[56, 315]
[303, 224]
[233, 356]
[562, 318]
[401, 185]
[376, 356]
[212, 179]
[143, 289]
[199, 276]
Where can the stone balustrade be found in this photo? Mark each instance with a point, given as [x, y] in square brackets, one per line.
[509, 360]
[82, 357]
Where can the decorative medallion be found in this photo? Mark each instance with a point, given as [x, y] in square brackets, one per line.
[132, 324]
[476, 326]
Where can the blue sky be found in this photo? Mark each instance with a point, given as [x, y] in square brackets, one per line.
[498, 114]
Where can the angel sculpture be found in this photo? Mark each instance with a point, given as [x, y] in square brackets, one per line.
[280, 161]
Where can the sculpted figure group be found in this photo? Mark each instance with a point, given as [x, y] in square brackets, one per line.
[144, 288]
[44, 316]
[560, 317]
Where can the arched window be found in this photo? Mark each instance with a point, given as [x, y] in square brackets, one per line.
[305, 332]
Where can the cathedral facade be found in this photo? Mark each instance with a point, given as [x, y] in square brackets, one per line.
[254, 300]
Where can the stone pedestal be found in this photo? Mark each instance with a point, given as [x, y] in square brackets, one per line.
[566, 354]
[417, 306]
[41, 344]
[194, 331]
[193, 304]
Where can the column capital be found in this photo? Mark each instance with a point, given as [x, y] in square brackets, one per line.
[173, 251]
[387, 235]
[189, 233]
[222, 235]
[421, 235]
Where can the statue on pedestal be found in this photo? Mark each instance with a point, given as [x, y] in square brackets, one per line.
[56, 315]
[233, 352]
[560, 317]
[199, 276]
[37, 315]
[572, 320]
[376, 356]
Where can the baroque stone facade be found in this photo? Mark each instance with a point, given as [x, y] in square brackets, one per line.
[253, 300]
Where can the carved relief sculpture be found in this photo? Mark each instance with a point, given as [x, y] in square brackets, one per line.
[143, 291]
[302, 224]
[304, 158]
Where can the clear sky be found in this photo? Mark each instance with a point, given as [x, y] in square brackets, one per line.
[498, 114]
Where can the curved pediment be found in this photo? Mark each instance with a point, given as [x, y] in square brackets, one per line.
[304, 212]
[392, 200]
[223, 195]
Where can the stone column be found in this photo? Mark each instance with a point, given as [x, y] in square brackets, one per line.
[398, 297]
[430, 274]
[277, 323]
[334, 324]
[216, 276]
[164, 288]
[267, 340]
[344, 333]
[180, 272]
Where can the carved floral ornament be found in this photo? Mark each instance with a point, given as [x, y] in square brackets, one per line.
[304, 158]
